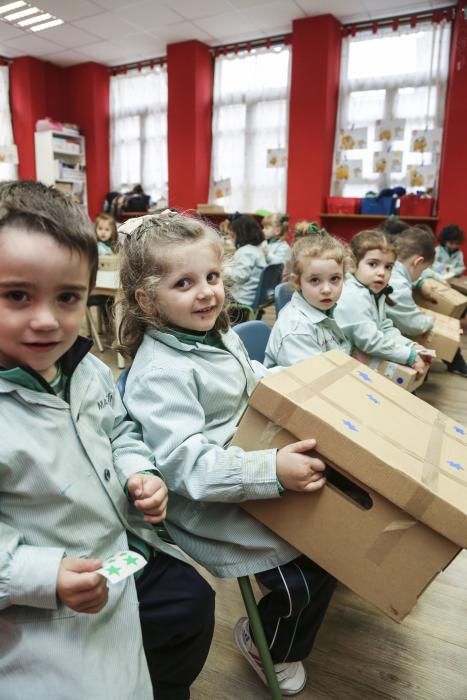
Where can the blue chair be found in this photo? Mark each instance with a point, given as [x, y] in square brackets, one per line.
[245, 589]
[282, 295]
[270, 277]
[255, 336]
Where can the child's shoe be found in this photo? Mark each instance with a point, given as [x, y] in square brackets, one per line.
[291, 676]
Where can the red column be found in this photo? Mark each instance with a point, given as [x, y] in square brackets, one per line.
[88, 106]
[316, 47]
[28, 104]
[189, 66]
[451, 199]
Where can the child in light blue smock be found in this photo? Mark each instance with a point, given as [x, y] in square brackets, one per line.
[361, 310]
[276, 229]
[106, 234]
[415, 252]
[306, 325]
[449, 258]
[187, 388]
[244, 269]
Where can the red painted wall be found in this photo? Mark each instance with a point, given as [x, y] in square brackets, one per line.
[190, 78]
[452, 182]
[79, 94]
[316, 46]
[28, 104]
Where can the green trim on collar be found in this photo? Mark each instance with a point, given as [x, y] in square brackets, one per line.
[21, 376]
[193, 338]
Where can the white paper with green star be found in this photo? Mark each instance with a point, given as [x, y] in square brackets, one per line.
[122, 564]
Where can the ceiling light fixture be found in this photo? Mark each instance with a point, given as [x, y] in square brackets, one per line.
[33, 20]
[46, 25]
[21, 13]
[11, 6]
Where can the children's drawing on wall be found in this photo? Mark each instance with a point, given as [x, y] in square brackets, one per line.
[351, 139]
[389, 129]
[276, 157]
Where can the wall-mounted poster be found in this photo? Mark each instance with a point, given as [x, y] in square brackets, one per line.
[276, 157]
[421, 176]
[390, 162]
[425, 141]
[348, 171]
[350, 139]
[222, 188]
[389, 129]
[9, 154]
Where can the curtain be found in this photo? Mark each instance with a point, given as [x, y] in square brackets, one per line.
[386, 76]
[138, 127]
[8, 171]
[250, 117]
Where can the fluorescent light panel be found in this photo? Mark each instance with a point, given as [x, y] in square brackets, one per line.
[33, 20]
[11, 6]
[47, 25]
[29, 17]
[21, 13]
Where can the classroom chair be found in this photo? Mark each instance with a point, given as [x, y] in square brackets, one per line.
[255, 336]
[271, 276]
[282, 295]
[246, 591]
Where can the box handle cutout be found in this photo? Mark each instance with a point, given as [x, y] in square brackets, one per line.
[348, 488]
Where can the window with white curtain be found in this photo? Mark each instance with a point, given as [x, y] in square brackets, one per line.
[138, 127]
[391, 75]
[8, 171]
[250, 117]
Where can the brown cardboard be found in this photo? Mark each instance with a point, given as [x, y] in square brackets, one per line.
[403, 376]
[410, 459]
[459, 284]
[448, 301]
[444, 337]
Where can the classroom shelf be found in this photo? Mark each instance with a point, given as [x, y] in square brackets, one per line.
[377, 216]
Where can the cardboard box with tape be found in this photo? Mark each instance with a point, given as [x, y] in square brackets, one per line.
[394, 511]
[448, 301]
[402, 375]
[444, 337]
[459, 284]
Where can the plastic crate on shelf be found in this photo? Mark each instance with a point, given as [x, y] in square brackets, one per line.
[343, 205]
[376, 206]
[415, 205]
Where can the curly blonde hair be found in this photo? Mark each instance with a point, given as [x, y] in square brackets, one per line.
[145, 260]
[318, 245]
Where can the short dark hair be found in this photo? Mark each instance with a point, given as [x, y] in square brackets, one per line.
[416, 241]
[247, 231]
[393, 226]
[452, 233]
[34, 207]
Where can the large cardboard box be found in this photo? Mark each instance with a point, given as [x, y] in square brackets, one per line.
[403, 516]
[448, 301]
[445, 336]
[403, 376]
[459, 284]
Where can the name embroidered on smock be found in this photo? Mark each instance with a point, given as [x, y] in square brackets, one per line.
[106, 401]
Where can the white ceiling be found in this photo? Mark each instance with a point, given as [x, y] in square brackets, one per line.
[114, 32]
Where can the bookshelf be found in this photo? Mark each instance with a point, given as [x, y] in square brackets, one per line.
[61, 161]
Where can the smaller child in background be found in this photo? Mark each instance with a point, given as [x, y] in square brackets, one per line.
[276, 229]
[415, 254]
[306, 327]
[106, 234]
[393, 226]
[248, 261]
[361, 310]
[449, 259]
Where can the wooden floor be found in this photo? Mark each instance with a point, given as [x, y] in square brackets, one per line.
[359, 653]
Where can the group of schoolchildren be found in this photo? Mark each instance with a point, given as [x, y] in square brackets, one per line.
[84, 475]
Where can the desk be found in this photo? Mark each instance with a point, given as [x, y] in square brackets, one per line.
[108, 283]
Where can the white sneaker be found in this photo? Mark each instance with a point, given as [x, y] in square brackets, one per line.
[291, 676]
